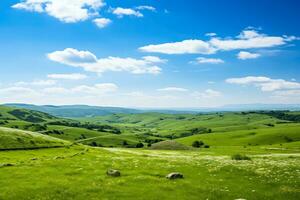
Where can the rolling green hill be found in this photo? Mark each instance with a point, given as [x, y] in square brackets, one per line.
[19, 139]
[281, 134]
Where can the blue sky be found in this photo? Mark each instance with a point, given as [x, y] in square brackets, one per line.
[149, 53]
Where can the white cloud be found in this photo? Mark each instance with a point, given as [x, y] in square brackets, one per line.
[287, 93]
[120, 12]
[102, 22]
[16, 90]
[244, 55]
[97, 89]
[209, 93]
[68, 11]
[202, 60]
[72, 57]
[265, 83]
[247, 39]
[56, 90]
[89, 62]
[154, 59]
[145, 7]
[210, 34]
[184, 47]
[172, 89]
[67, 76]
[36, 83]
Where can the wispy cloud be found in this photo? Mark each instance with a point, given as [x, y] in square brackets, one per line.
[202, 60]
[67, 76]
[172, 89]
[247, 39]
[266, 84]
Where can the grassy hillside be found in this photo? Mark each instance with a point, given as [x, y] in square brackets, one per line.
[19, 139]
[46, 124]
[280, 135]
[184, 125]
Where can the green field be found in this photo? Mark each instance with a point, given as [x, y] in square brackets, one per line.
[242, 155]
[80, 173]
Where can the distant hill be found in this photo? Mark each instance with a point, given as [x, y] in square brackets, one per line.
[79, 111]
[71, 111]
[33, 116]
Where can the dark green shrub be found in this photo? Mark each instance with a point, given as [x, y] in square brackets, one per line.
[125, 143]
[240, 157]
[94, 144]
[139, 145]
[197, 144]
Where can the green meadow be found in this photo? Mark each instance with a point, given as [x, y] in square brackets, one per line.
[234, 155]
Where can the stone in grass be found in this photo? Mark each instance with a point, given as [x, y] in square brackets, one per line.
[174, 175]
[113, 172]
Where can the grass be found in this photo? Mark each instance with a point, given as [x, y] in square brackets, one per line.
[169, 145]
[80, 173]
[19, 139]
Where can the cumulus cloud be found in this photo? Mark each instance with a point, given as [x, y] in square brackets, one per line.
[247, 39]
[67, 76]
[244, 55]
[202, 60]
[184, 47]
[68, 11]
[89, 62]
[209, 93]
[102, 22]
[120, 12]
[265, 83]
[172, 89]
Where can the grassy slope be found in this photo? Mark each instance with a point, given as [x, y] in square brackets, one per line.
[280, 134]
[164, 124]
[70, 133]
[19, 139]
[79, 173]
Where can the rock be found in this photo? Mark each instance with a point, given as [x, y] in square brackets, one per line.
[113, 172]
[174, 175]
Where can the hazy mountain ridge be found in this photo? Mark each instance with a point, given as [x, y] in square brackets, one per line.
[90, 111]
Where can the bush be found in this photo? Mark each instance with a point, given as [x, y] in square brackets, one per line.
[139, 145]
[197, 144]
[206, 146]
[94, 144]
[240, 157]
[125, 143]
